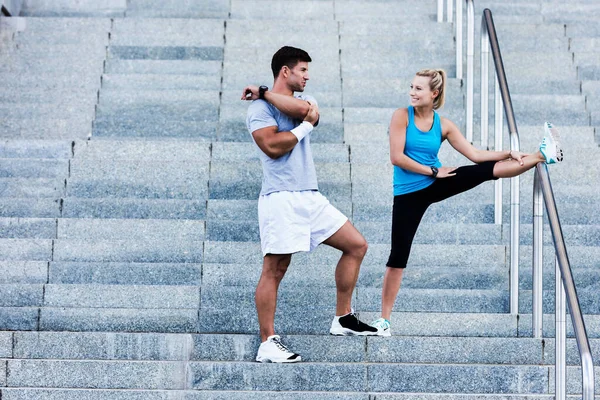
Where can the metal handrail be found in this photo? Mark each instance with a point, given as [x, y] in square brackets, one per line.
[565, 286]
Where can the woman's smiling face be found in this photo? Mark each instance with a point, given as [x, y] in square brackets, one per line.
[420, 92]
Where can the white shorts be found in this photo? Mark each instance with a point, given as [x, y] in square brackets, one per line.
[296, 221]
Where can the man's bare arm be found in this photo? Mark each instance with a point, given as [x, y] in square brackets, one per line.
[275, 144]
[289, 105]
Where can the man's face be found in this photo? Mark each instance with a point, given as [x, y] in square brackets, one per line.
[298, 76]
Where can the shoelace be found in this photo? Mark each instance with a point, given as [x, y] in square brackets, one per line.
[280, 345]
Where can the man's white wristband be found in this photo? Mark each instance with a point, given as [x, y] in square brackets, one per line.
[302, 130]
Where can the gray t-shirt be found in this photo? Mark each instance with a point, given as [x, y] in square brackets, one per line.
[294, 171]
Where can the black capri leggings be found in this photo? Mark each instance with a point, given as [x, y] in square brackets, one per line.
[409, 208]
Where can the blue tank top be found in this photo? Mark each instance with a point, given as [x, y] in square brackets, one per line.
[423, 147]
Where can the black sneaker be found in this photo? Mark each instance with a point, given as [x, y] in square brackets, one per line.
[350, 325]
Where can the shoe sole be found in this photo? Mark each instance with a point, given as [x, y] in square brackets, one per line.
[349, 332]
[286, 361]
[385, 334]
[555, 135]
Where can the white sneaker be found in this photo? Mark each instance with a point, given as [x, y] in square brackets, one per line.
[550, 146]
[383, 327]
[272, 350]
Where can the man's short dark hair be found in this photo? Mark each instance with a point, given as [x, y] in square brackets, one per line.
[288, 56]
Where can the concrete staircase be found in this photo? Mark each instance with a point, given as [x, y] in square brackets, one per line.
[129, 247]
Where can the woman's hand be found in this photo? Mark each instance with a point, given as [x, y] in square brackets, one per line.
[444, 172]
[517, 155]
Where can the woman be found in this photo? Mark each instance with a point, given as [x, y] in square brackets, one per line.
[416, 134]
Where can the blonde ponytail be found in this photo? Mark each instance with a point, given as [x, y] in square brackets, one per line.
[437, 82]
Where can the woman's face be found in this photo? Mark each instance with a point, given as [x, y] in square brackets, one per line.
[420, 92]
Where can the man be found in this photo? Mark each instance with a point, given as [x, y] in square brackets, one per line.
[293, 215]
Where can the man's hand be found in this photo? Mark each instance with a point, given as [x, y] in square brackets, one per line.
[313, 114]
[250, 93]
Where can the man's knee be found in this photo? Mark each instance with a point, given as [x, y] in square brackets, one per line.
[359, 248]
[276, 265]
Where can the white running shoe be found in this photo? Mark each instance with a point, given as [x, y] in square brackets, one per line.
[550, 146]
[272, 350]
[383, 327]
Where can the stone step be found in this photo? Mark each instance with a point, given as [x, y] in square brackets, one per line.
[150, 187]
[115, 273]
[65, 8]
[28, 228]
[43, 25]
[150, 113]
[208, 34]
[567, 13]
[130, 229]
[48, 52]
[183, 98]
[138, 178]
[66, 37]
[322, 376]
[359, 10]
[116, 320]
[169, 129]
[122, 296]
[588, 72]
[163, 67]
[130, 208]
[48, 149]
[54, 129]
[48, 111]
[49, 81]
[177, 9]
[23, 272]
[33, 168]
[588, 300]
[50, 188]
[584, 29]
[166, 52]
[28, 207]
[165, 150]
[25, 249]
[53, 66]
[41, 96]
[583, 44]
[253, 9]
[160, 82]
[147, 250]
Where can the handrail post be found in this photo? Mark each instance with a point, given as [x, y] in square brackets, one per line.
[484, 89]
[537, 267]
[459, 39]
[515, 146]
[560, 338]
[470, 54]
[449, 10]
[440, 10]
[515, 213]
[498, 139]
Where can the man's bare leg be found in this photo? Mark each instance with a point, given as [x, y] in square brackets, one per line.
[274, 268]
[353, 247]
